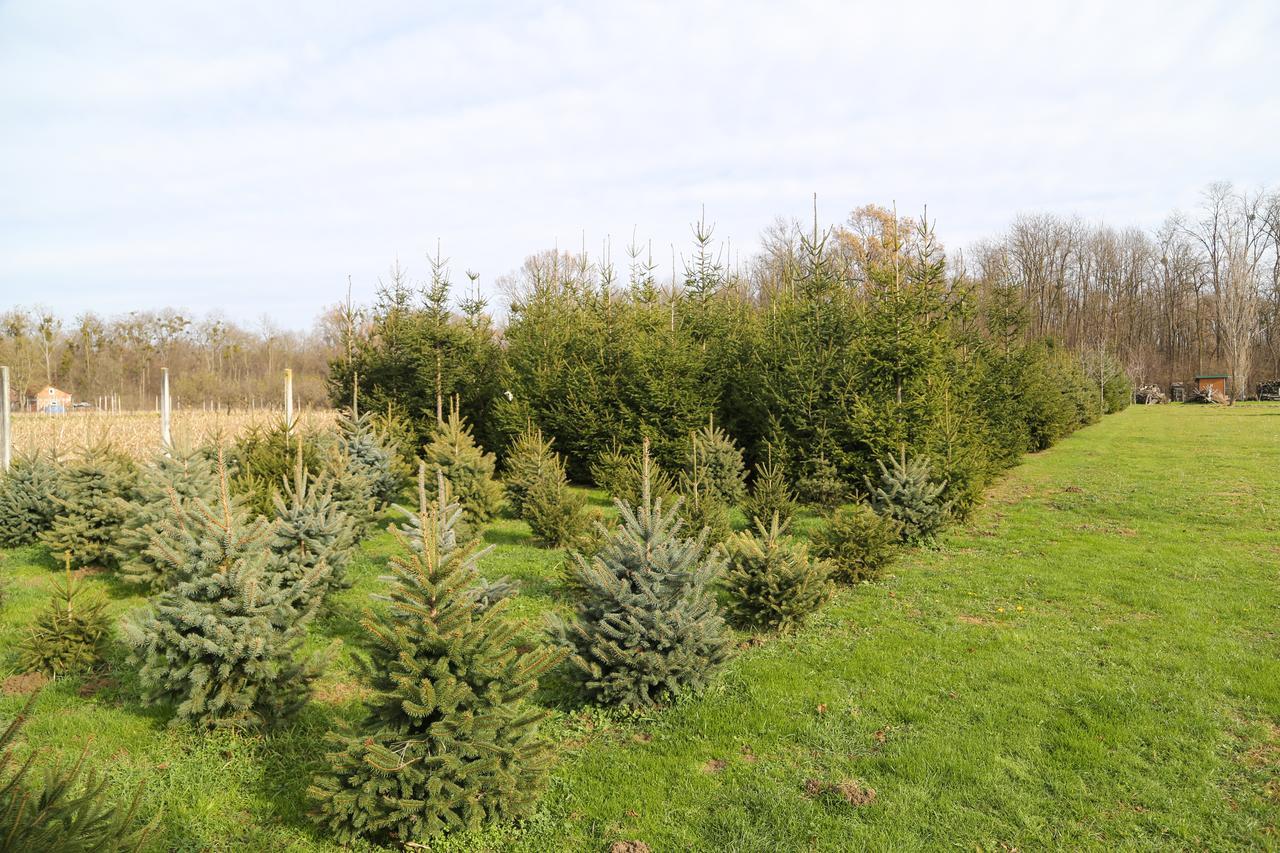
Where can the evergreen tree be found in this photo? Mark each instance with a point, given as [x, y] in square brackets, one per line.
[450, 741]
[68, 811]
[703, 509]
[856, 542]
[720, 464]
[263, 457]
[221, 642]
[646, 623]
[773, 583]
[907, 354]
[796, 378]
[530, 459]
[353, 487]
[71, 634]
[621, 475]
[556, 514]
[416, 351]
[486, 592]
[312, 541]
[93, 507]
[906, 493]
[538, 490]
[372, 453]
[27, 499]
[770, 494]
[594, 366]
[609, 470]
[468, 469]
[170, 476]
[822, 486]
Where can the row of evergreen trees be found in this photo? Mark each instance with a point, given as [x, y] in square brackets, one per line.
[809, 366]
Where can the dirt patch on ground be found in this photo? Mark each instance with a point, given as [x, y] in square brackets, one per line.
[850, 791]
[855, 793]
[975, 620]
[715, 765]
[629, 847]
[23, 683]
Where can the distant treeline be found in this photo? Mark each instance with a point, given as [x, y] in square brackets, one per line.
[212, 361]
[1200, 295]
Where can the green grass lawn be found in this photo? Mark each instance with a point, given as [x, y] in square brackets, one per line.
[1091, 662]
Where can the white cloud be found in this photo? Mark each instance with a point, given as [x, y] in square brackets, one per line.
[250, 156]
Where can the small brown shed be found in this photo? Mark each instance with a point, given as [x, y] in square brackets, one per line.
[1217, 382]
[52, 400]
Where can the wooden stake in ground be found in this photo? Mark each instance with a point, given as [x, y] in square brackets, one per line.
[288, 400]
[166, 410]
[6, 430]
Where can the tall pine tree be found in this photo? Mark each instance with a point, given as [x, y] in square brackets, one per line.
[469, 470]
[450, 740]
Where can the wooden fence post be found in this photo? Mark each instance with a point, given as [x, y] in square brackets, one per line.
[288, 400]
[6, 430]
[166, 410]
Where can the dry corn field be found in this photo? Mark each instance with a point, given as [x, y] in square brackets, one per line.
[138, 433]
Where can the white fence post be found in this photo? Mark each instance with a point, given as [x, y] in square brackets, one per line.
[288, 400]
[166, 410]
[6, 430]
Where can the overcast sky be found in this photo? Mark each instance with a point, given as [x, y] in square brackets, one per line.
[248, 157]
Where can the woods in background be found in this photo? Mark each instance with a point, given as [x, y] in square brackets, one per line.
[211, 360]
[1200, 295]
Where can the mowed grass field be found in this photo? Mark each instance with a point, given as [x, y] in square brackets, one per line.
[1092, 662]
